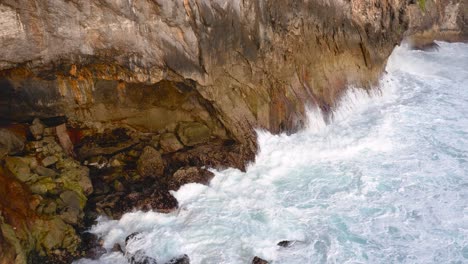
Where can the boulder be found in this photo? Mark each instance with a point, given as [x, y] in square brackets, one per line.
[190, 175]
[10, 143]
[169, 143]
[44, 186]
[46, 172]
[49, 161]
[193, 133]
[53, 234]
[257, 260]
[37, 129]
[19, 167]
[150, 163]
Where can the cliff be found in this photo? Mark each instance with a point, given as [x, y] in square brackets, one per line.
[196, 77]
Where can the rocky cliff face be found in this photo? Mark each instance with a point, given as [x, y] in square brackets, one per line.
[196, 77]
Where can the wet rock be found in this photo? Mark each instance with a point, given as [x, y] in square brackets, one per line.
[193, 133]
[180, 260]
[117, 248]
[169, 143]
[99, 162]
[49, 161]
[132, 236]
[286, 243]
[37, 129]
[46, 172]
[10, 143]
[190, 175]
[50, 208]
[257, 260]
[140, 257]
[150, 163]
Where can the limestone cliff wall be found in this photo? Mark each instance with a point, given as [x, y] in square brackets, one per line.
[232, 65]
[190, 71]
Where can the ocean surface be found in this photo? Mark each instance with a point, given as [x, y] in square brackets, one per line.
[385, 182]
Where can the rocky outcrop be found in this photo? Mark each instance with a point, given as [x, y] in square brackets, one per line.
[43, 193]
[437, 20]
[146, 93]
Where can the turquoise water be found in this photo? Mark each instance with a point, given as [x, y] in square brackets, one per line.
[385, 182]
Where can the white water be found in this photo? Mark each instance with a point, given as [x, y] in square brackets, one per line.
[386, 182]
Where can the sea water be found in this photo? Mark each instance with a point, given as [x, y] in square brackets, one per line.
[385, 182]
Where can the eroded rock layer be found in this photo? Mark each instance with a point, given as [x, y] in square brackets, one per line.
[147, 92]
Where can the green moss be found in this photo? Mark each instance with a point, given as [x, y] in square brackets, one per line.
[422, 5]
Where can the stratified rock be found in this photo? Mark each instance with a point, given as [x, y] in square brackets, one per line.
[10, 143]
[37, 129]
[257, 260]
[150, 163]
[169, 143]
[190, 175]
[193, 133]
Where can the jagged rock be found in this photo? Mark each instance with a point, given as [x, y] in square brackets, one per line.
[286, 243]
[10, 143]
[150, 163]
[46, 172]
[98, 162]
[257, 260]
[180, 260]
[193, 133]
[140, 257]
[190, 175]
[37, 129]
[49, 161]
[64, 139]
[169, 143]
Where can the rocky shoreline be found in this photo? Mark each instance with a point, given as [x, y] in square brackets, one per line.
[69, 178]
[107, 106]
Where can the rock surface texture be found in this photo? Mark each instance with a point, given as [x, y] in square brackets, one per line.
[229, 65]
[147, 92]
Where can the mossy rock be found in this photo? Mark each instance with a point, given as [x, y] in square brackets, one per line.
[43, 186]
[54, 233]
